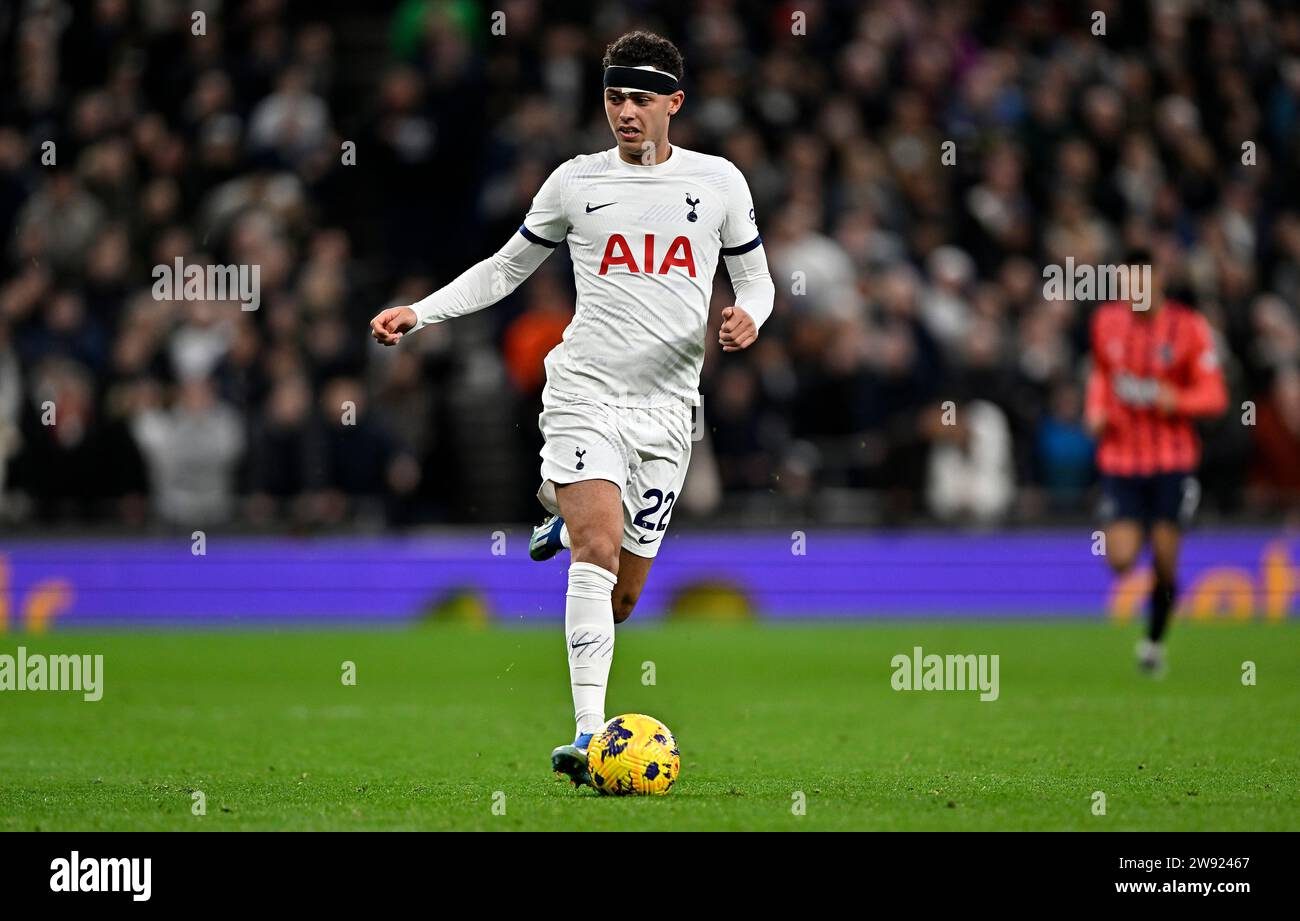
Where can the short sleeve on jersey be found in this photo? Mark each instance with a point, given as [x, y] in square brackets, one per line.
[546, 224]
[739, 227]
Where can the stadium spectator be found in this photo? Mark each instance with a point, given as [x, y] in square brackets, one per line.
[11, 396]
[192, 449]
[971, 476]
[1275, 470]
[355, 460]
[1064, 450]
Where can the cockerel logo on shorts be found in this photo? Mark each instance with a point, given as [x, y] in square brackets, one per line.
[579, 452]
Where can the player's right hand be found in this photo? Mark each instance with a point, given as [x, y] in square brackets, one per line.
[388, 325]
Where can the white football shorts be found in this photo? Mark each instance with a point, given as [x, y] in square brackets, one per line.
[644, 452]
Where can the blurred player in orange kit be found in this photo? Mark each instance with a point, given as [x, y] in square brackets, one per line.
[1154, 372]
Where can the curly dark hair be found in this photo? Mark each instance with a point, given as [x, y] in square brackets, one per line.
[637, 48]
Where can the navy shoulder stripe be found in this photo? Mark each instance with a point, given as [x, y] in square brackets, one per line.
[534, 238]
[743, 248]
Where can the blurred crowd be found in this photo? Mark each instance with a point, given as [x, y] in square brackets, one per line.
[364, 155]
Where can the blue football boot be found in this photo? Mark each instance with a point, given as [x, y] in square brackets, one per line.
[570, 761]
[546, 539]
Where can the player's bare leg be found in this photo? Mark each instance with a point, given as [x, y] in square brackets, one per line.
[632, 573]
[1123, 543]
[593, 513]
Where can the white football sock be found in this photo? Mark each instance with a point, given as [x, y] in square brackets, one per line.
[564, 536]
[589, 636]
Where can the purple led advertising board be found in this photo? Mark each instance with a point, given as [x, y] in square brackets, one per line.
[244, 582]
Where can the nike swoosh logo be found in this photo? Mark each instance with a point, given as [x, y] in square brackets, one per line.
[580, 645]
[650, 541]
[598, 207]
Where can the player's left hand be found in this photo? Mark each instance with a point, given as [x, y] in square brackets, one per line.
[738, 330]
[1166, 399]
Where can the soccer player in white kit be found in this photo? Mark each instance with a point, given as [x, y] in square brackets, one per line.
[646, 223]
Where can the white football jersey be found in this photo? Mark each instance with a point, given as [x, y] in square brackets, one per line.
[645, 242]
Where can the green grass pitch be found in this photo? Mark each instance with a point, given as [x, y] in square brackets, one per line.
[444, 719]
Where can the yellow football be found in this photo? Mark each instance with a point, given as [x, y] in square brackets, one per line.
[634, 755]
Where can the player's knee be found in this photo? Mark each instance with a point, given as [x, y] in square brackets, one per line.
[624, 602]
[1123, 543]
[1121, 561]
[598, 551]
